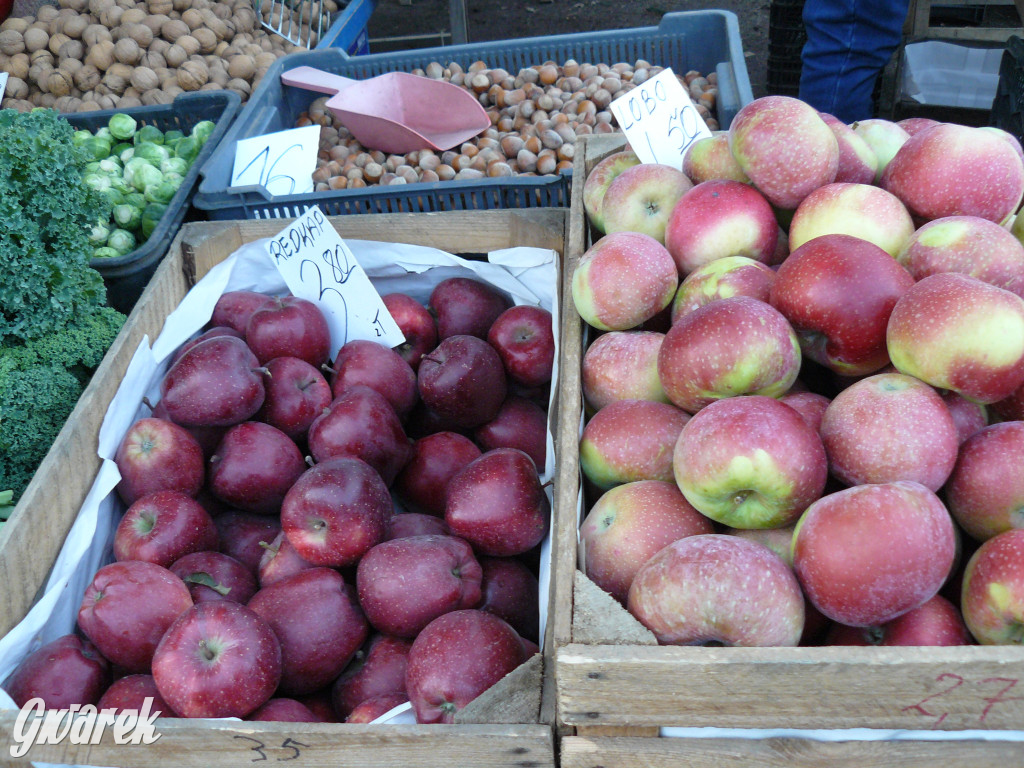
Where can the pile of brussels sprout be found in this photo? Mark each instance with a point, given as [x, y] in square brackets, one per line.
[137, 170]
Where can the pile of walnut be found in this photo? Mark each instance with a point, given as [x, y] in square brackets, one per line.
[536, 116]
[104, 54]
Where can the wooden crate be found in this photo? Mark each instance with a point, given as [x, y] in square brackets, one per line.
[509, 725]
[616, 687]
[919, 23]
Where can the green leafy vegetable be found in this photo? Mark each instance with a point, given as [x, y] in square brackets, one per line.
[203, 129]
[122, 126]
[151, 218]
[148, 134]
[106, 252]
[122, 241]
[127, 217]
[40, 382]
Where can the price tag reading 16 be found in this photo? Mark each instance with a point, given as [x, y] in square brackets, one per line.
[659, 120]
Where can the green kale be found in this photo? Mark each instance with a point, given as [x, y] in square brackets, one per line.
[40, 382]
[47, 213]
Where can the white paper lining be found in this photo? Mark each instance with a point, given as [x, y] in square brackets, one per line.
[527, 275]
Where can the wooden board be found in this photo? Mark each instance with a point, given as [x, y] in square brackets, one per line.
[919, 18]
[226, 744]
[959, 688]
[610, 676]
[31, 540]
[578, 752]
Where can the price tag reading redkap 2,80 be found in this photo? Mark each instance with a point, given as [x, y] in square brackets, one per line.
[659, 120]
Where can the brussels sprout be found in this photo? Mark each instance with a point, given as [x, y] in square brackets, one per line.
[126, 154]
[122, 126]
[148, 134]
[98, 147]
[174, 178]
[136, 200]
[98, 181]
[178, 165]
[127, 217]
[160, 193]
[111, 166]
[93, 167]
[78, 138]
[112, 196]
[99, 233]
[105, 252]
[152, 153]
[203, 130]
[131, 166]
[172, 136]
[122, 186]
[188, 148]
[151, 218]
[104, 133]
[145, 176]
[122, 241]
[117, 149]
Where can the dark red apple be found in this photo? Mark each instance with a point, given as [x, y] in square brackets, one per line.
[361, 424]
[207, 437]
[217, 660]
[130, 693]
[377, 706]
[65, 671]
[405, 584]
[319, 624]
[213, 576]
[371, 364]
[416, 324]
[463, 380]
[521, 424]
[127, 608]
[380, 669]
[463, 305]
[219, 330]
[497, 504]
[254, 466]
[457, 657]
[320, 704]
[406, 524]
[336, 512]
[243, 534]
[158, 455]
[281, 710]
[296, 393]
[936, 622]
[435, 459]
[525, 343]
[163, 527]
[289, 326]
[509, 591]
[234, 308]
[280, 560]
[217, 383]
[829, 280]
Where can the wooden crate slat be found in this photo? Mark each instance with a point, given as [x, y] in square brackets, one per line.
[228, 744]
[961, 688]
[578, 752]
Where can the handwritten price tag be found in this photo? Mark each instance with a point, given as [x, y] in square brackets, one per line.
[282, 163]
[659, 120]
[3, 84]
[317, 265]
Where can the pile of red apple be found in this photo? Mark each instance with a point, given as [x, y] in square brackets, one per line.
[805, 384]
[264, 570]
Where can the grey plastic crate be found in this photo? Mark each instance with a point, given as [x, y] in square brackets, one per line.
[707, 41]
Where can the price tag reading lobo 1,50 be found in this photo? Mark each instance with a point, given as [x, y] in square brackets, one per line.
[659, 120]
[318, 266]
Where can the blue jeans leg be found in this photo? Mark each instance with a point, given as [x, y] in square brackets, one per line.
[848, 44]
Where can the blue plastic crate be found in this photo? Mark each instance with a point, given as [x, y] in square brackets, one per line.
[707, 41]
[349, 31]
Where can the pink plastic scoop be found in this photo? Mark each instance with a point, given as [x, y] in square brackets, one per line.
[397, 112]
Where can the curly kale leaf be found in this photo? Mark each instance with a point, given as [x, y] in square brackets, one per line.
[40, 382]
[47, 213]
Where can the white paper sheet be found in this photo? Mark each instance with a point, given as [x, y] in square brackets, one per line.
[527, 275]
